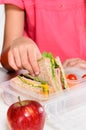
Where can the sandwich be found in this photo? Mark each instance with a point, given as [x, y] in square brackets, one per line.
[50, 80]
[52, 72]
[27, 84]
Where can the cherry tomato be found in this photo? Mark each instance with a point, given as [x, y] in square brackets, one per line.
[84, 76]
[72, 77]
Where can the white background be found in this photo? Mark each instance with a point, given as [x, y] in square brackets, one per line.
[2, 19]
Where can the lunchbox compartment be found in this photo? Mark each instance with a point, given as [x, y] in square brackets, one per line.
[65, 110]
[68, 112]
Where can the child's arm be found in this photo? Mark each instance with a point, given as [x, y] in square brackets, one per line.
[14, 24]
[18, 52]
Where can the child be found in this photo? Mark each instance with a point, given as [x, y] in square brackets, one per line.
[34, 26]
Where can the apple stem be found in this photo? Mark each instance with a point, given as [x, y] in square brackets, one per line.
[20, 100]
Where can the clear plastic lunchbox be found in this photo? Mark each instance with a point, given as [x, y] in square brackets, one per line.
[68, 111]
[10, 95]
[65, 110]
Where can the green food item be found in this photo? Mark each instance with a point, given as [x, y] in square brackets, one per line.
[54, 65]
[34, 78]
[44, 86]
[52, 60]
[23, 80]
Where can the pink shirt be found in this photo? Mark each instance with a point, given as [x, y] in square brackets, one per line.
[57, 26]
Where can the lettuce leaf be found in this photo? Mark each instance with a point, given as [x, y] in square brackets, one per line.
[53, 61]
[33, 78]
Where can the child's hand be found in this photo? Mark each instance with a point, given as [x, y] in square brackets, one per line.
[23, 54]
[75, 62]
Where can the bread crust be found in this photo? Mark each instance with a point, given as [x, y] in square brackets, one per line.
[25, 87]
[46, 74]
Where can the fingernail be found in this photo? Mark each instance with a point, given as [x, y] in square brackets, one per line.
[36, 73]
[33, 75]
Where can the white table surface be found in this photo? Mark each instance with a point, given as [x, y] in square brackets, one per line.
[2, 21]
[3, 120]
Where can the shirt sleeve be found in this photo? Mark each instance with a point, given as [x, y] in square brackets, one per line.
[18, 3]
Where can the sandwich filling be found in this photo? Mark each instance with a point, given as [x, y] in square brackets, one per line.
[34, 82]
[57, 70]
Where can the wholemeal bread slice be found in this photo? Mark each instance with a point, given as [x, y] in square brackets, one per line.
[62, 73]
[27, 86]
[46, 74]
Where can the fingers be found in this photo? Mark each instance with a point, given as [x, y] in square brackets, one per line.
[17, 58]
[25, 60]
[39, 55]
[33, 57]
[11, 61]
[75, 62]
[70, 62]
[24, 57]
[81, 64]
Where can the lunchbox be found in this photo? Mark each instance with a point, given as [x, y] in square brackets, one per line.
[65, 110]
[68, 111]
[10, 95]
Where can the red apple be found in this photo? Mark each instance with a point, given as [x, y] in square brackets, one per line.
[26, 115]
